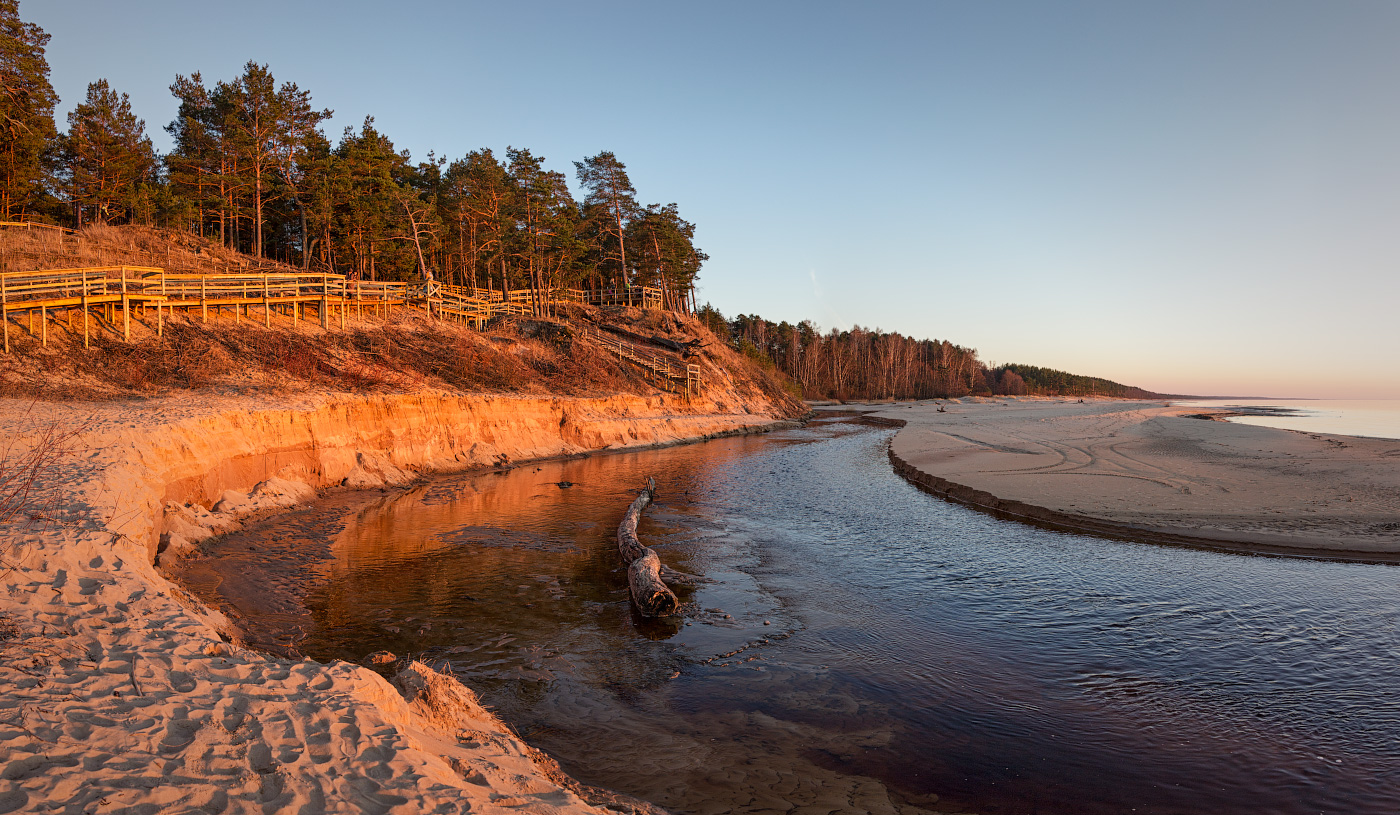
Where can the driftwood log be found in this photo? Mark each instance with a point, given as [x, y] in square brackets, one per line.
[649, 592]
[627, 544]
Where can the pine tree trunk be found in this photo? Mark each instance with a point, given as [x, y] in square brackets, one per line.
[257, 211]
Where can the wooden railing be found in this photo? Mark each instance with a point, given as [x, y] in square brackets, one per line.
[108, 290]
[480, 305]
[656, 365]
[70, 290]
[636, 296]
[116, 292]
[31, 225]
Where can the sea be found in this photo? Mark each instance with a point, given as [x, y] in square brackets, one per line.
[1372, 418]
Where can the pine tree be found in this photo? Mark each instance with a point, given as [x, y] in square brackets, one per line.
[374, 204]
[202, 168]
[417, 193]
[544, 213]
[664, 252]
[26, 112]
[105, 156]
[268, 128]
[319, 170]
[475, 200]
[611, 202]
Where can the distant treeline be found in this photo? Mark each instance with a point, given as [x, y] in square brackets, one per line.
[872, 364]
[251, 168]
[1015, 380]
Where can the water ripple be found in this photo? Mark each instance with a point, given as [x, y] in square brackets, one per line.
[911, 644]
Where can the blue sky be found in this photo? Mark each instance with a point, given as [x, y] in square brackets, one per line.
[1198, 197]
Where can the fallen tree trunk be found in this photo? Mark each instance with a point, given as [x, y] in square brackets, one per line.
[627, 544]
[648, 591]
[687, 348]
[650, 594]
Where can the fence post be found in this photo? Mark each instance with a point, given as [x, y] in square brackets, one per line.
[85, 308]
[160, 317]
[126, 310]
[267, 305]
[203, 297]
[5, 310]
[325, 302]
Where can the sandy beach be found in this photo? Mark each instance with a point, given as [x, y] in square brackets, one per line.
[120, 692]
[1147, 471]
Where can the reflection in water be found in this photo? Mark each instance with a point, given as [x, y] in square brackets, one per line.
[861, 647]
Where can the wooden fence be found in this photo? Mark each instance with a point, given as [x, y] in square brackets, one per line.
[657, 365]
[114, 294]
[635, 296]
[30, 226]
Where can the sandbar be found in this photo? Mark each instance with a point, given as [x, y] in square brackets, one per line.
[1149, 471]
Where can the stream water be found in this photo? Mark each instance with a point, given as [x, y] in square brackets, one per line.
[862, 646]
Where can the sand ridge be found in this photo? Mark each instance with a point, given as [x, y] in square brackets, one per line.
[1149, 470]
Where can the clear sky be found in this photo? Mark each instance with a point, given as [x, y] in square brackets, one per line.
[1198, 197]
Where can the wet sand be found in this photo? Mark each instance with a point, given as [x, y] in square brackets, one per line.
[1148, 471]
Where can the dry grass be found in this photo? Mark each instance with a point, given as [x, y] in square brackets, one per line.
[25, 499]
[405, 353]
[23, 250]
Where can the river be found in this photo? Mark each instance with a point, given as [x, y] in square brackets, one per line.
[862, 646]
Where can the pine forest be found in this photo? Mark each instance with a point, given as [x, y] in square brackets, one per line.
[251, 168]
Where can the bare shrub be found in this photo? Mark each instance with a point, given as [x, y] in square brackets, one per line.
[184, 358]
[23, 469]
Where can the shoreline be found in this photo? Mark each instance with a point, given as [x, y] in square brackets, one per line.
[171, 570]
[1353, 417]
[130, 692]
[1218, 485]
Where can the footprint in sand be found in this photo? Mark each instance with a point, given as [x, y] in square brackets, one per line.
[271, 787]
[260, 757]
[316, 735]
[349, 736]
[289, 753]
[180, 730]
[181, 682]
[179, 734]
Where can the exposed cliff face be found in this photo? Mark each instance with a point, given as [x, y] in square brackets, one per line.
[219, 460]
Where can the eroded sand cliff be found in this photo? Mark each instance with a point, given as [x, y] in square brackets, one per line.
[122, 691]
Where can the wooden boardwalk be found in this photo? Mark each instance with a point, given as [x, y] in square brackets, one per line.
[656, 365]
[85, 299]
